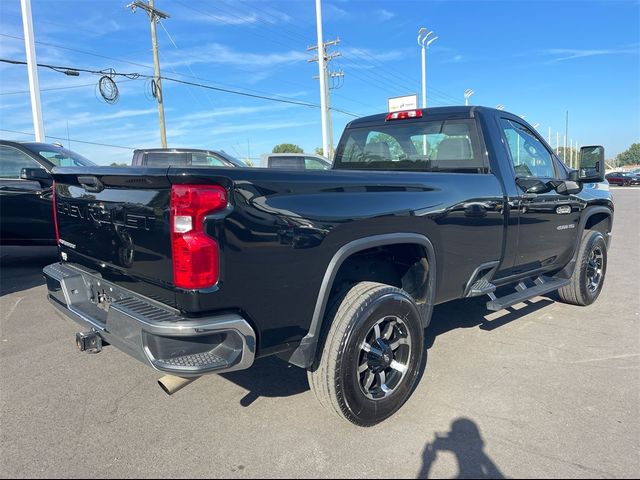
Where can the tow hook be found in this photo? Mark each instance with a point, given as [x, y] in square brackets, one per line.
[89, 342]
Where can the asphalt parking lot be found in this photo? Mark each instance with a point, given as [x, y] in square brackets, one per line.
[542, 390]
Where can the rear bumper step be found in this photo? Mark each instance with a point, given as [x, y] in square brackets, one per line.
[147, 330]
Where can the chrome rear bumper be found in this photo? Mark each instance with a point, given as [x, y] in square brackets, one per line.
[149, 331]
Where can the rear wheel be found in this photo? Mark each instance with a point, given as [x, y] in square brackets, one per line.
[372, 354]
[588, 276]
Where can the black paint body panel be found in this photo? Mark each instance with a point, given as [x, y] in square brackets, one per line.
[283, 227]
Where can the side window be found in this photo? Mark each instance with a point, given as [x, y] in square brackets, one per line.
[313, 164]
[204, 160]
[13, 160]
[529, 156]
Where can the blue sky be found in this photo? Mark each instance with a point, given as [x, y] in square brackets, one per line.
[537, 58]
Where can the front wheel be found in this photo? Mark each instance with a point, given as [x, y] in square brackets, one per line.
[372, 354]
[588, 276]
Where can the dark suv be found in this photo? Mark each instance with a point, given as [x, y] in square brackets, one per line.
[25, 190]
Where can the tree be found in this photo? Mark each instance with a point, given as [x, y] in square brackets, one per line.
[318, 151]
[115, 164]
[631, 156]
[287, 148]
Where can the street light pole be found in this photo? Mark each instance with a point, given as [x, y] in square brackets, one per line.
[321, 73]
[423, 41]
[423, 35]
[32, 69]
[467, 93]
[424, 72]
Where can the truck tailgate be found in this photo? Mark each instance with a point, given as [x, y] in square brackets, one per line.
[115, 221]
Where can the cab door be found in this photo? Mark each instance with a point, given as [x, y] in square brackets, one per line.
[26, 212]
[547, 220]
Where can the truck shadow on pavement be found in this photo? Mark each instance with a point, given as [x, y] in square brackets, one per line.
[472, 312]
[465, 442]
[269, 377]
[21, 267]
[273, 377]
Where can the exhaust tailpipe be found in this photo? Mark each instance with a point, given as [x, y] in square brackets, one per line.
[171, 384]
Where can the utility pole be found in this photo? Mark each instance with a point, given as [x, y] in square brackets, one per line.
[32, 69]
[325, 57]
[154, 17]
[332, 75]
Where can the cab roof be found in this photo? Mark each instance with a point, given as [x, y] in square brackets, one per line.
[460, 111]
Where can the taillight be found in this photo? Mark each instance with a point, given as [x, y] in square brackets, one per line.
[195, 254]
[55, 212]
[404, 114]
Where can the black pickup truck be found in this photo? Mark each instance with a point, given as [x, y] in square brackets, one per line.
[201, 270]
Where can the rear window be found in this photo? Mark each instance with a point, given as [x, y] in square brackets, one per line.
[430, 146]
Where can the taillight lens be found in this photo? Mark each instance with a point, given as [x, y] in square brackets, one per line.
[403, 115]
[195, 254]
[55, 212]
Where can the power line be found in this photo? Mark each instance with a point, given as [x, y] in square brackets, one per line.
[69, 87]
[218, 18]
[184, 82]
[384, 73]
[49, 89]
[60, 69]
[85, 52]
[73, 139]
[263, 97]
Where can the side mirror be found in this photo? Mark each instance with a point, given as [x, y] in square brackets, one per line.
[592, 167]
[35, 174]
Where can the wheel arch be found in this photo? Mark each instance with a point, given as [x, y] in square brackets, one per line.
[304, 354]
[598, 218]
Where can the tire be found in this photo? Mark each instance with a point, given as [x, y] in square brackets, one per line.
[589, 274]
[371, 356]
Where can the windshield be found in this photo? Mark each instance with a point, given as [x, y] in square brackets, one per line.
[59, 156]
